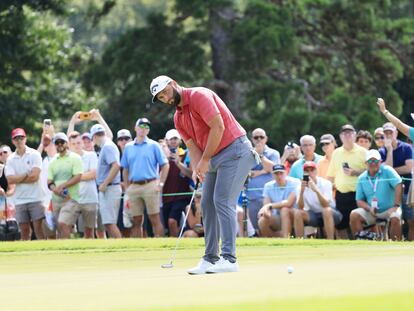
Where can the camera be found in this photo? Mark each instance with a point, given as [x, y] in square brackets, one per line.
[47, 122]
[306, 178]
[345, 165]
[290, 144]
[85, 116]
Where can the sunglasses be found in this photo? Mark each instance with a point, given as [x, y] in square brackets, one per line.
[324, 144]
[60, 142]
[19, 137]
[4, 152]
[258, 137]
[373, 161]
[123, 138]
[144, 126]
[379, 137]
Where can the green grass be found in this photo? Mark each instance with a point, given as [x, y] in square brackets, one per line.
[126, 275]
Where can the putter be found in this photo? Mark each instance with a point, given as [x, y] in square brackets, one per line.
[170, 264]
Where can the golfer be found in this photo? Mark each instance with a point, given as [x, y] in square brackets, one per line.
[222, 157]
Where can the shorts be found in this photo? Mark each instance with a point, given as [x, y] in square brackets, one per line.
[371, 220]
[316, 218]
[28, 212]
[89, 214]
[174, 210]
[276, 220]
[66, 212]
[109, 202]
[345, 204]
[144, 196]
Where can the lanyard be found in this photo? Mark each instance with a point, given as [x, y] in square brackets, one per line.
[374, 185]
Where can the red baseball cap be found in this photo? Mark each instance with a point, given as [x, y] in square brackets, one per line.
[18, 132]
[309, 164]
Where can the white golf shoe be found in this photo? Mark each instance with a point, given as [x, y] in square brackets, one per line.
[222, 266]
[201, 268]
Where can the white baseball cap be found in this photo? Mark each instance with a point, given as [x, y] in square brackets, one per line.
[97, 128]
[171, 134]
[157, 85]
[373, 154]
[60, 136]
[123, 133]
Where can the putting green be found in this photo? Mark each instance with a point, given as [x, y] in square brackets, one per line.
[126, 275]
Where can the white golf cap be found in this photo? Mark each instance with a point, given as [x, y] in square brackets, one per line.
[97, 128]
[123, 133]
[171, 134]
[157, 85]
[60, 136]
[373, 154]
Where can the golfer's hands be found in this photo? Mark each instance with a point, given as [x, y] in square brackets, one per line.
[201, 170]
[381, 105]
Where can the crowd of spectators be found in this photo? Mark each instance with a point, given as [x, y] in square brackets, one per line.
[84, 184]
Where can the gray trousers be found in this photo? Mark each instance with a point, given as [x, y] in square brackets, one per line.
[224, 180]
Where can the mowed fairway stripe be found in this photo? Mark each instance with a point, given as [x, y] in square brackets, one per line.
[131, 279]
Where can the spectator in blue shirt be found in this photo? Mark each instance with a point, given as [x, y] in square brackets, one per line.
[260, 174]
[409, 132]
[108, 179]
[308, 146]
[276, 215]
[378, 196]
[145, 169]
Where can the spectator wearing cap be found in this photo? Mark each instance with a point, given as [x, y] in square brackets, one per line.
[291, 153]
[145, 170]
[64, 175]
[308, 146]
[177, 182]
[379, 137]
[378, 196]
[5, 152]
[23, 169]
[315, 203]
[364, 139]
[260, 174]
[108, 179]
[279, 198]
[328, 145]
[88, 194]
[87, 143]
[347, 163]
[399, 155]
[123, 137]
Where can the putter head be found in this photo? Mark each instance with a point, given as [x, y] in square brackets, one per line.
[167, 265]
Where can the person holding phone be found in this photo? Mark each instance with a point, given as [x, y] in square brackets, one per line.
[177, 181]
[315, 204]
[348, 162]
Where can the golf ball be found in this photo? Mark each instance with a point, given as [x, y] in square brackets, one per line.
[290, 270]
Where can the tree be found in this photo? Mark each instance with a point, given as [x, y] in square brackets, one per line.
[39, 66]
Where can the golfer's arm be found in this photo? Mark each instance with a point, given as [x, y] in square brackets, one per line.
[215, 135]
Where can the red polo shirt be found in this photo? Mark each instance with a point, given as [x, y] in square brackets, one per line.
[200, 105]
